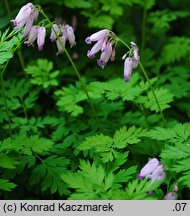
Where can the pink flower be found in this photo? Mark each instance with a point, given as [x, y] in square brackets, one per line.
[128, 67]
[171, 196]
[27, 27]
[105, 56]
[32, 35]
[135, 55]
[131, 62]
[41, 37]
[70, 35]
[104, 42]
[158, 174]
[96, 48]
[64, 33]
[148, 168]
[59, 45]
[97, 36]
[152, 170]
[23, 15]
[55, 28]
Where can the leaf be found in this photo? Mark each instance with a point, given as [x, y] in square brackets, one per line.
[179, 133]
[68, 98]
[42, 74]
[125, 175]
[161, 133]
[6, 185]
[98, 140]
[7, 161]
[161, 19]
[48, 173]
[177, 49]
[26, 145]
[135, 190]
[163, 95]
[102, 21]
[126, 136]
[93, 182]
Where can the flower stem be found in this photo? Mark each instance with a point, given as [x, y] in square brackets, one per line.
[153, 92]
[73, 65]
[150, 85]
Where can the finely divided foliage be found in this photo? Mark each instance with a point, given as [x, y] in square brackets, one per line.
[73, 130]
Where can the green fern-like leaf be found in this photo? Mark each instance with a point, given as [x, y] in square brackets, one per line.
[126, 136]
[135, 190]
[68, 99]
[177, 49]
[161, 19]
[42, 73]
[180, 133]
[26, 145]
[163, 95]
[6, 185]
[179, 153]
[93, 182]
[8, 47]
[48, 175]
[7, 161]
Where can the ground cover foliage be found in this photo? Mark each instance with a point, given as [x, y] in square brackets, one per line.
[54, 145]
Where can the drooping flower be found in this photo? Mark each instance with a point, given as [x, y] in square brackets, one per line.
[135, 55]
[128, 67]
[64, 33]
[97, 36]
[70, 35]
[23, 15]
[152, 170]
[55, 28]
[41, 33]
[33, 16]
[104, 43]
[27, 27]
[158, 174]
[105, 56]
[96, 48]
[60, 49]
[148, 168]
[32, 35]
[131, 62]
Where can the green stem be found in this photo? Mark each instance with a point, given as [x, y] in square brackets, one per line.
[153, 92]
[73, 65]
[21, 58]
[24, 108]
[4, 98]
[150, 85]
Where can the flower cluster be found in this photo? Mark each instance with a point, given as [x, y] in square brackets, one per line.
[25, 18]
[152, 170]
[131, 62]
[104, 43]
[60, 34]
